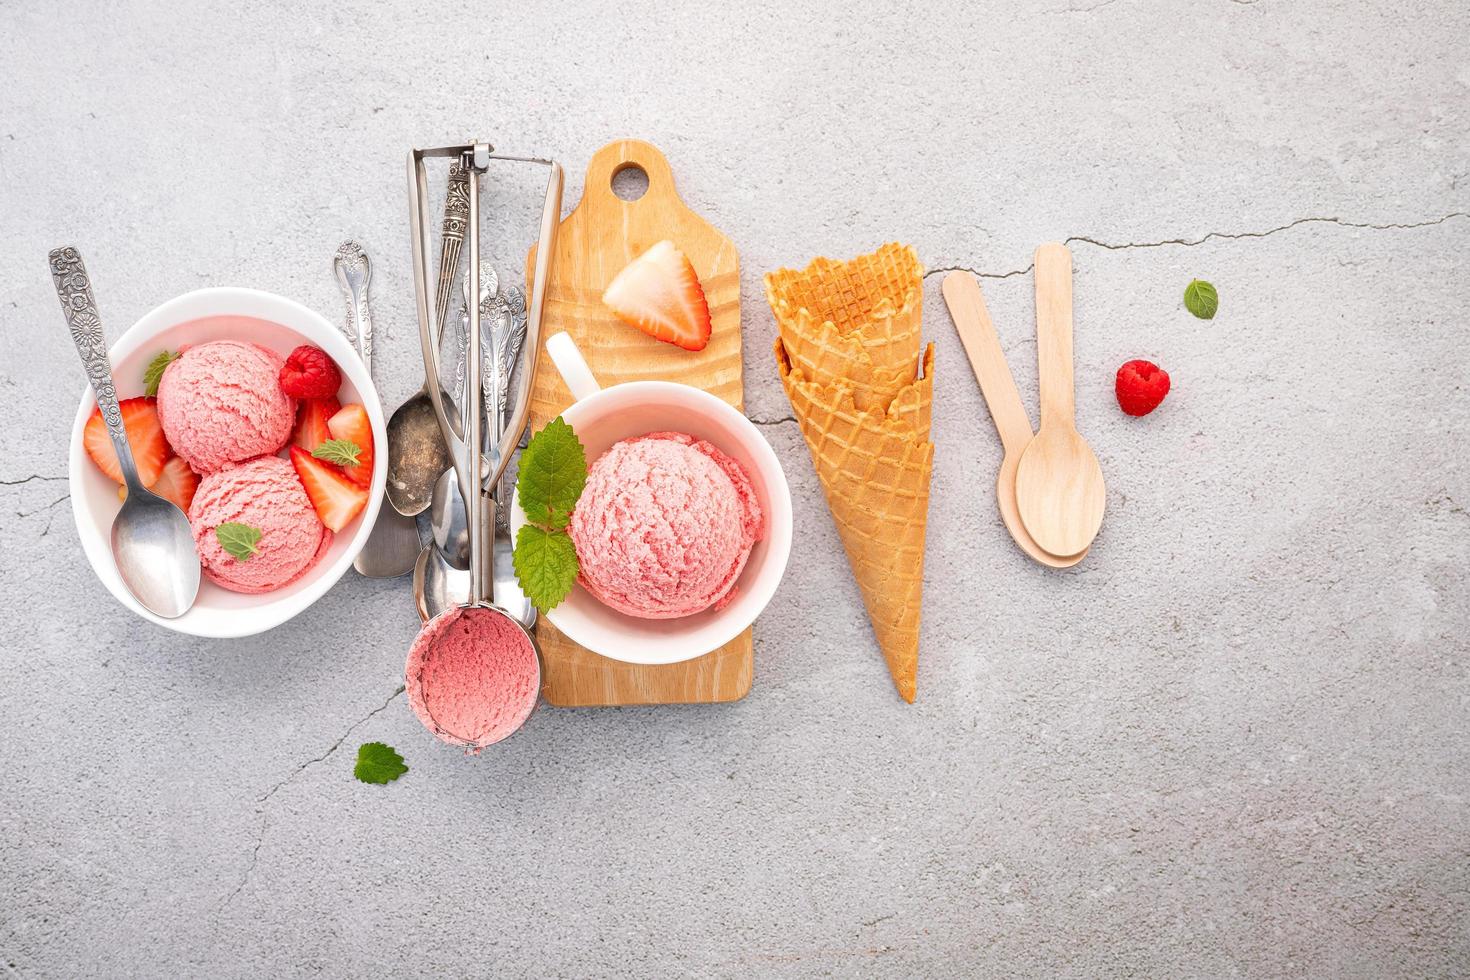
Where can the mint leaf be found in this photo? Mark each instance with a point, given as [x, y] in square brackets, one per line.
[1201, 299]
[239, 540]
[153, 373]
[546, 565]
[343, 452]
[378, 763]
[552, 474]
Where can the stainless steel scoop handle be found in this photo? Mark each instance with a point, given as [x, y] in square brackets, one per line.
[476, 156]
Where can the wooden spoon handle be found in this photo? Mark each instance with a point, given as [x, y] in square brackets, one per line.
[1054, 334]
[982, 345]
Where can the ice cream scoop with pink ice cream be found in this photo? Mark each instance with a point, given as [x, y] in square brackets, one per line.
[221, 402]
[264, 494]
[665, 526]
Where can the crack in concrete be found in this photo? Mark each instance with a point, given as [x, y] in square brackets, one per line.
[265, 798]
[776, 421]
[28, 479]
[976, 272]
[1191, 242]
[31, 513]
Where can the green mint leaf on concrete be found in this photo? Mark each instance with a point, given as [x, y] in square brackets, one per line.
[378, 763]
[153, 373]
[343, 452]
[239, 540]
[546, 565]
[552, 474]
[1201, 299]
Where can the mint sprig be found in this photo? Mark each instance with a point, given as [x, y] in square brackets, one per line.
[553, 473]
[1201, 299]
[546, 565]
[239, 540]
[342, 452]
[378, 763]
[153, 373]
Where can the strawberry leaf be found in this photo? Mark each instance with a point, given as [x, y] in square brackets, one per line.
[342, 452]
[1201, 299]
[553, 471]
[378, 763]
[546, 565]
[153, 373]
[239, 540]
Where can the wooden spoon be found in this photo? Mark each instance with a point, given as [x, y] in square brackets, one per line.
[982, 345]
[1059, 484]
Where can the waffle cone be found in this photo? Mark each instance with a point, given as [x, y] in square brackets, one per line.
[858, 321]
[875, 465]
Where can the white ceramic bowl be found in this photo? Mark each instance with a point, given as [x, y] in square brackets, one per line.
[603, 416]
[189, 319]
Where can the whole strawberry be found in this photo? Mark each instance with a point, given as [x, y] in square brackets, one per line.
[1141, 386]
[309, 373]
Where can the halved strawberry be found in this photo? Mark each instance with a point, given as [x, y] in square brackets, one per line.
[352, 424]
[311, 422]
[337, 499]
[176, 483]
[145, 437]
[659, 294]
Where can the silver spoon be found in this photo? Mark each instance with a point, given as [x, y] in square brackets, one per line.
[418, 448]
[438, 585]
[393, 544]
[449, 522]
[151, 540]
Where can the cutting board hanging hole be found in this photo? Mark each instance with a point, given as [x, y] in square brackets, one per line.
[630, 182]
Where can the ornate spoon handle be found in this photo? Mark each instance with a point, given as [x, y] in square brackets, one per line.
[451, 237]
[79, 307]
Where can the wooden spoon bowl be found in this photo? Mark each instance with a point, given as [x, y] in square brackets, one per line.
[1060, 491]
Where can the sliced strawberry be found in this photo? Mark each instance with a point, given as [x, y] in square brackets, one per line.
[337, 499]
[145, 437]
[311, 422]
[659, 294]
[352, 424]
[177, 483]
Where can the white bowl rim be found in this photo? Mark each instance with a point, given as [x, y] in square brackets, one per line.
[283, 604]
[778, 541]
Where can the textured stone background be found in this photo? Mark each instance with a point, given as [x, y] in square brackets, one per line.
[1233, 741]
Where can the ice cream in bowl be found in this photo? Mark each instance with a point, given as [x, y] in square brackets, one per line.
[683, 528]
[255, 416]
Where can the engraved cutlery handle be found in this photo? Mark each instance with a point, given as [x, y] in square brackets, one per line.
[79, 307]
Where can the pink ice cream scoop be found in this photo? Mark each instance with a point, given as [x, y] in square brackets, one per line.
[472, 677]
[265, 494]
[221, 402]
[664, 526]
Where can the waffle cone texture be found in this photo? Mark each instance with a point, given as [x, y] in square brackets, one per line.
[848, 356]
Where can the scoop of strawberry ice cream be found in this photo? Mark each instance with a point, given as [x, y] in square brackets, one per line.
[664, 526]
[221, 402]
[472, 677]
[265, 494]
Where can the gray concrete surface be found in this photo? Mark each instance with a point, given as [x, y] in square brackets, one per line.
[1232, 742]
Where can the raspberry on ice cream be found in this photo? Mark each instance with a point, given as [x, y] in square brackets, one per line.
[665, 526]
[220, 403]
[264, 494]
[472, 677]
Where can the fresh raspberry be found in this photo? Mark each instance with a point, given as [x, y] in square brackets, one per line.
[1141, 386]
[310, 373]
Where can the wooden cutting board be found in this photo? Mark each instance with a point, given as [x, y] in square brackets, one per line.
[593, 245]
